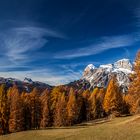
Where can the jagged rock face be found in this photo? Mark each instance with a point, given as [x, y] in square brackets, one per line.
[124, 63]
[99, 77]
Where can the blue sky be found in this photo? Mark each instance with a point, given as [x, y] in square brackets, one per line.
[53, 40]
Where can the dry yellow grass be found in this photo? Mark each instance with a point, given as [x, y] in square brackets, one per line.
[124, 128]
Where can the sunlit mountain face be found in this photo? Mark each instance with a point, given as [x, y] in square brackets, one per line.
[53, 41]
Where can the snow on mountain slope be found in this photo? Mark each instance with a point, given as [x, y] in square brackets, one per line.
[108, 67]
[99, 77]
[28, 80]
[123, 63]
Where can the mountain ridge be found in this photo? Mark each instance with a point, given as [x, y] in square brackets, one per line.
[100, 76]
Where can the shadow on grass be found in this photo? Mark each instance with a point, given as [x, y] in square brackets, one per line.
[81, 125]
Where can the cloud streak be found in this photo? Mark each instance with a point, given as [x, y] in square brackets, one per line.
[105, 43]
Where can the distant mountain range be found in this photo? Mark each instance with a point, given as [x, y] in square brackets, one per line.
[26, 85]
[92, 77]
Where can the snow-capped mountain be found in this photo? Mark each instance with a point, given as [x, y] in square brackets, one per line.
[99, 77]
[26, 85]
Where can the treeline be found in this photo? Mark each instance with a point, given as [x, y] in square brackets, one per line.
[64, 105]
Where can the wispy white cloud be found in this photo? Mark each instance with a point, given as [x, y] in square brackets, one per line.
[105, 43]
[16, 43]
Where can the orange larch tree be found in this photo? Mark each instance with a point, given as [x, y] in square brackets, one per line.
[113, 101]
[45, 109]
[4, 110]
[92, 105]
[16, 119]
[60, 111]
[35, 108]
[72, 108]
[134, 88]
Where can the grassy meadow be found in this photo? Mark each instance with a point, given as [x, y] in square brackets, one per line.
[123, 128]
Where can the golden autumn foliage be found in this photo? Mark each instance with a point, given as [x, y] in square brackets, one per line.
[134, 89]
[4, 109]
[99, 103]
[45, 115]
[95, 104]
[92, 102]
[86, 94]
[16, 119]
[113, 101]
[60, 111]
[56, 92]
[35, 108]
[26, 111]
[92, 108]
[72, 108]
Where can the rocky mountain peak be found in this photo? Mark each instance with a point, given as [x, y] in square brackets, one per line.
[99, 77]
[89, 69]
